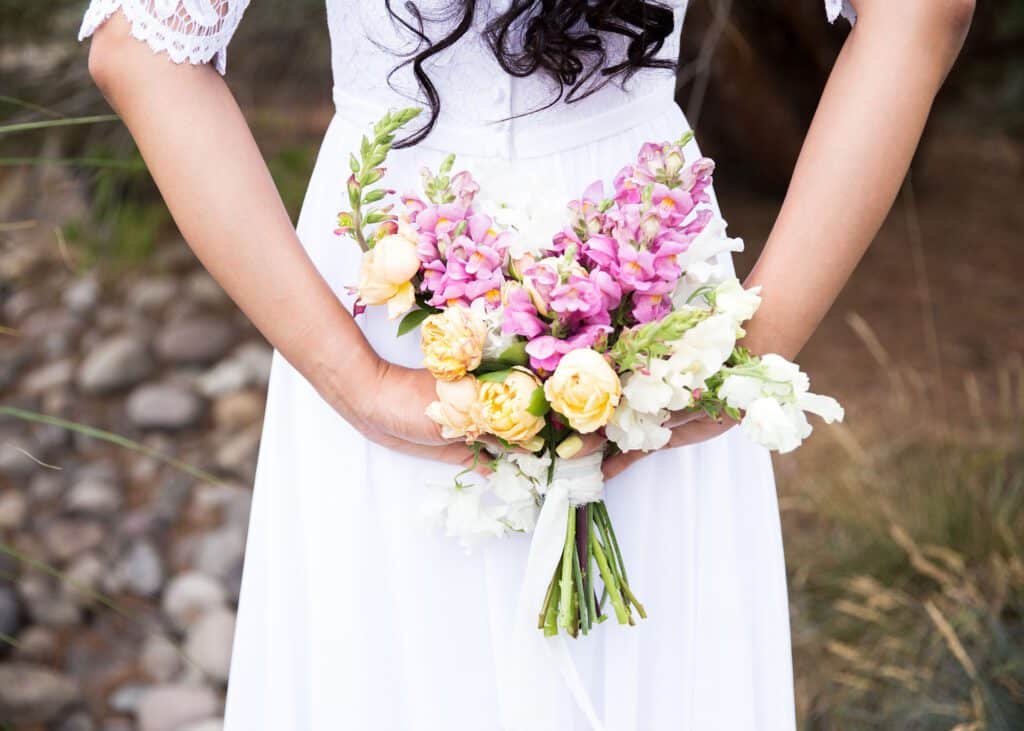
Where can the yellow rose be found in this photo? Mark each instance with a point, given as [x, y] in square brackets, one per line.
[584, 389]
[385, 273]
[503, 407]
[452, 342]
[456, 408]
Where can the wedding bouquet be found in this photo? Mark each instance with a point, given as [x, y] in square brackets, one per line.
[542, 323]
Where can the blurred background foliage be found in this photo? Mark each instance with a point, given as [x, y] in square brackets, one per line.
[904, 529]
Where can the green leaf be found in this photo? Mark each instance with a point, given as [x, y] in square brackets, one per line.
[495, 376]
[374, 195]
[538, 402]
[353, 163]
[412, 320]
[515, 354]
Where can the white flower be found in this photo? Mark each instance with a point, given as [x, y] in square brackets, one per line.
[496, 342]
[632, 430]
[704, 349]
[774, 395]
[781, 427]
[647, 392]
[534, 467]
[702, 261]
[733, 300]
[518, 493]
[462, 511]
[511, 196]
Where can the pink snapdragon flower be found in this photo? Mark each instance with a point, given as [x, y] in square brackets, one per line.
[547, 351]
[520, 316]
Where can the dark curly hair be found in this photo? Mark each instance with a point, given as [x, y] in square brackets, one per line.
[561, 39]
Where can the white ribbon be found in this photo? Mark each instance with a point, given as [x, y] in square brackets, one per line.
[529, 692]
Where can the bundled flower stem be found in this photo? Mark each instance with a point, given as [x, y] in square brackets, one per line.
[571, 603]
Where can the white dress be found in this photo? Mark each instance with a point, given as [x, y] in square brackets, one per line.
[353, 614]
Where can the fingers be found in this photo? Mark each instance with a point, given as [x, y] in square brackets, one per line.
[594, 442]
[678, 418]
[615, 464]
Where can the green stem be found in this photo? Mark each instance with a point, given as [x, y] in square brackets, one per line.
[548, 598]
[566, 584]
[608, 533]
[551, 616]
[589, 575]
[610, 583]
[577, 575]
[633, 600]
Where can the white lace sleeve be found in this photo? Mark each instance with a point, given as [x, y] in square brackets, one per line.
[196, 31]
[835, 8]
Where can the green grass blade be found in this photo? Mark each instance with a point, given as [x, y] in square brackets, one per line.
[63, 122]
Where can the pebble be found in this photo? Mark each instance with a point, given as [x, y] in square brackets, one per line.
[48, 377]
[118, 362]
[37, 644]
[189, 595]
[32, 694]
[68, 537]
[164, 406]
[195, 340]
[94, 495]
[168, 707]
[202, 288]
[151, 294]
[238, 410]
[160, 659]
[208, 642]
[13, 507]
[238, 454]
[47, 485]
[82, 295]
[142, 569]
[125, 699]
[218, 551]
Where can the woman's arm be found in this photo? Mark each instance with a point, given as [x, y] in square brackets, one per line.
[851, 166]
[203, 158]
[853, 162]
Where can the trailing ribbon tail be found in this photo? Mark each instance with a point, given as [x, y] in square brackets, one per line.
[530, 689]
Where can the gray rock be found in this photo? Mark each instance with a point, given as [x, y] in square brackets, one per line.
[46, 604]
[18, 456]
[164, 406]
[202, 288]
[82, 295]
[189, 595]
[118, 362]
[68, 537]
[118, 724]
[152, 293]
[168, 707]
[10, 611]
[198, 340]
[238, 453]
[13, 509]
[37, 644]
[142, 569]
[160, 659]
[208, 642]
[34, 694]
[48, 377]
[85, 572]
[94, 494]
[125, 699]
[46, 486]
[218, 552]
[227, 377]
[257, 357]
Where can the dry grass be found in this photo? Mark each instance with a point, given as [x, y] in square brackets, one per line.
[907, 581]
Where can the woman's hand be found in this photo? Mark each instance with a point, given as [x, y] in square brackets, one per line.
[688, 427]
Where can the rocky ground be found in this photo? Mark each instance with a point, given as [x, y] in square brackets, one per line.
[163, 358]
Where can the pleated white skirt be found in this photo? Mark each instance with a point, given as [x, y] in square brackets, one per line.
[354, 615]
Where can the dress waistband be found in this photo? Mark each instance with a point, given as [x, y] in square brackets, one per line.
[524, 137]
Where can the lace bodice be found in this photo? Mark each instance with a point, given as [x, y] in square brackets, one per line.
[368, 44]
